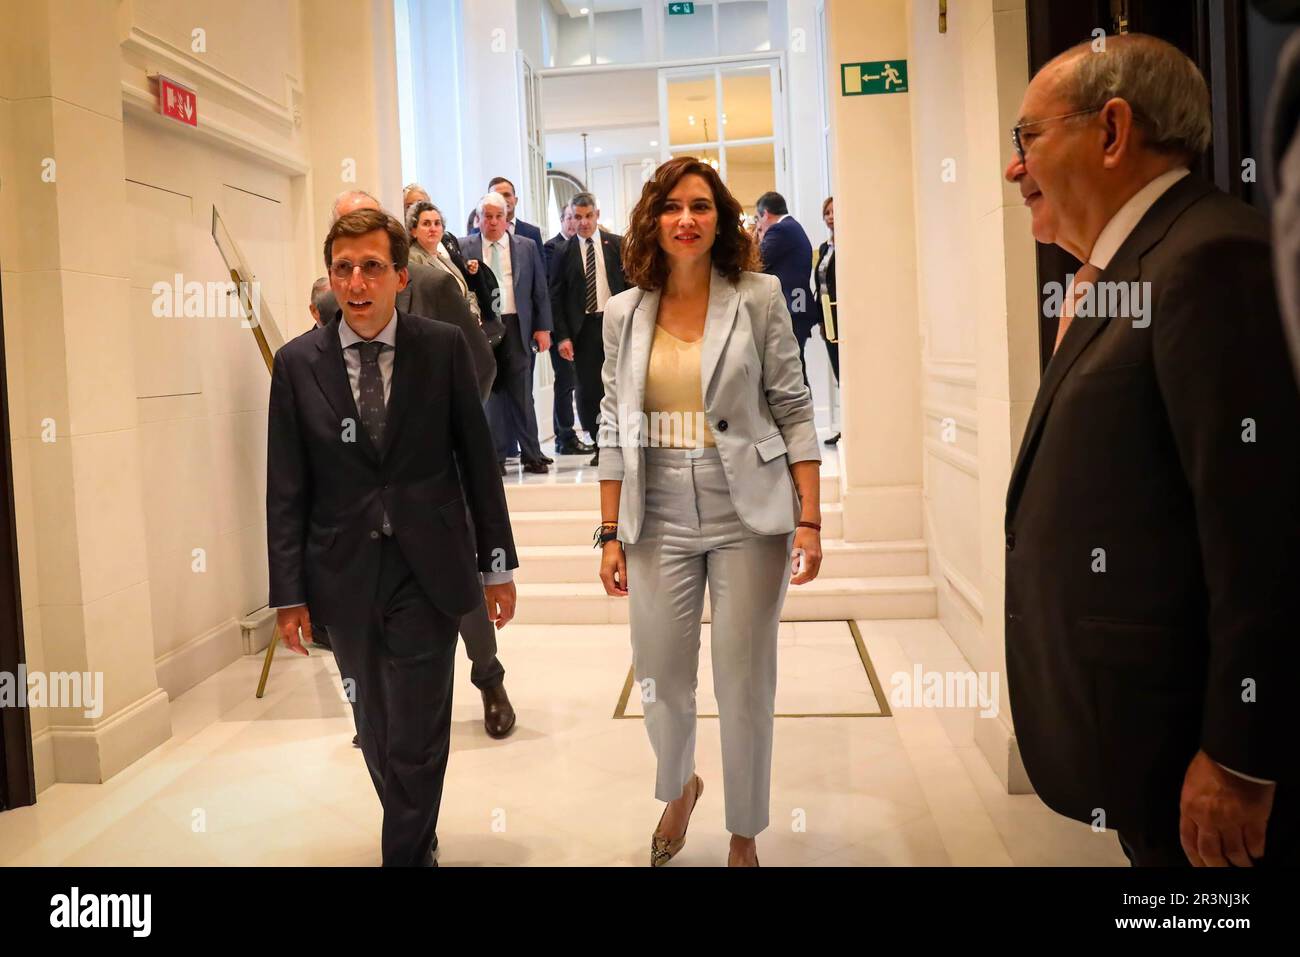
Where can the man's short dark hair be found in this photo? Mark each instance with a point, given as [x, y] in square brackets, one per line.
[583, 199]
[363, 221]
[773, 203]
[501, 179]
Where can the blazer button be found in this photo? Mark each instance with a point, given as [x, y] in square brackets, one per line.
[1011, 541]
[374, 534]
[722, 425]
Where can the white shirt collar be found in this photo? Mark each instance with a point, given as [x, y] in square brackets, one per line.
[1125, 220]
[387, 335]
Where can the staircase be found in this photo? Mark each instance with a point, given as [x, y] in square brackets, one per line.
[558, 584]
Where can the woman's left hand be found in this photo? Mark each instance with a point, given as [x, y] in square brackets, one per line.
[810, 540]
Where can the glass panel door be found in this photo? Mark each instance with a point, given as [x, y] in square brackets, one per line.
[730, 117]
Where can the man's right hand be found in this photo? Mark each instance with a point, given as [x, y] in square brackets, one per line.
[500, 601]
[287, 623]
[565, 349]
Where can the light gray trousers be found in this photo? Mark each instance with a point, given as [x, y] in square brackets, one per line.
[691, 535]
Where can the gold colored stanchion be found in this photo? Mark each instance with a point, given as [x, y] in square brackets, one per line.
[266, 662]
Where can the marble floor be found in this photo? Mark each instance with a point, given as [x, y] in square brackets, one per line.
[276, 781]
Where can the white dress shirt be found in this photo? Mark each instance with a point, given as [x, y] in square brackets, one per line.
[1125, 220]
[506, 277]
[602, 281]
[352, 357]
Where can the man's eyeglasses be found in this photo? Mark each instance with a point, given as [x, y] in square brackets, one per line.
[371, 269]
[1015, 130]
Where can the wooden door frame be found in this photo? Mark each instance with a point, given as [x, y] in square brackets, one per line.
[17, 773]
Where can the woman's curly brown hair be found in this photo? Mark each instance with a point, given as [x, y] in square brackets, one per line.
[644, 262]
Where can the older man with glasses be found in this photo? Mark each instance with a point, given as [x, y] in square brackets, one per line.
[1153, 514]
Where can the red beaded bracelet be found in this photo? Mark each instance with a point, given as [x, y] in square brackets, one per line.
[812, 525]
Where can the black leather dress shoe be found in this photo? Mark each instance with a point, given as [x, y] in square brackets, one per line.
[498, 714]
[536, 466]
[833, 440]
[595, 459]
[574, 447]
[356, 741]
[547, 459]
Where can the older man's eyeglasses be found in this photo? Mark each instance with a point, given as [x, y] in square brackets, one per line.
[371, 269]
[1018, 140]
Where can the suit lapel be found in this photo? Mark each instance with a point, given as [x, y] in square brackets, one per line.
[640, 341]
[724, 300]
[332, 377]
[1125, 267]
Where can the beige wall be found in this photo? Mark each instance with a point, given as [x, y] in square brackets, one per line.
[876, 277]
[159, 422]
[975, 297]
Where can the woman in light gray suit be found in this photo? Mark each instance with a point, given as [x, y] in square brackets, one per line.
[710, 476]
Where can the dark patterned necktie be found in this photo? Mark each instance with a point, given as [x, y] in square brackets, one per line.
[591, 276]
[370, 387]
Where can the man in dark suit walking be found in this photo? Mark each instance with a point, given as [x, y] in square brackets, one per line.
[1153, 513]
[787, 254]
[526, 312]
[586, 272]
[567, 441]
[434, 294]
[376, 442]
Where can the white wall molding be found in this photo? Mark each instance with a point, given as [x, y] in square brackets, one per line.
[188, 67]
[962, 586]
[954, 371]
[963, 461]
[141, 103]
[967, 418]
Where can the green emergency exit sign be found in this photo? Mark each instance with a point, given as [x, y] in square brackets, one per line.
[680, 9]
[877, 76]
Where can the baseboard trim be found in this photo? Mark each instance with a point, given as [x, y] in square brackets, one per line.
[92, 755]
[201, 657]
[997, 742]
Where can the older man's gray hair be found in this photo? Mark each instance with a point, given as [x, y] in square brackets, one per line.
[494, 200]
[322, 297]
[583, 199]
[346, 195]
[1164, 88]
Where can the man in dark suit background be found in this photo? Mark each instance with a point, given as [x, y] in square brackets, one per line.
[526, 312]
[434, 294]
[376, 446]
[567, 228]
[787, 254]
[585, 273]
[567, 441]
[1153, 513]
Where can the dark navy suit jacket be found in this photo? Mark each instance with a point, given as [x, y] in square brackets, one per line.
[787, 255]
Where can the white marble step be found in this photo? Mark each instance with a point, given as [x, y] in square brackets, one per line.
[575, 527]
[826, 599]
[545, 493]
[840, 559]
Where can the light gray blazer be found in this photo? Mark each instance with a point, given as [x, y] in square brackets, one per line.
[751, 380]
